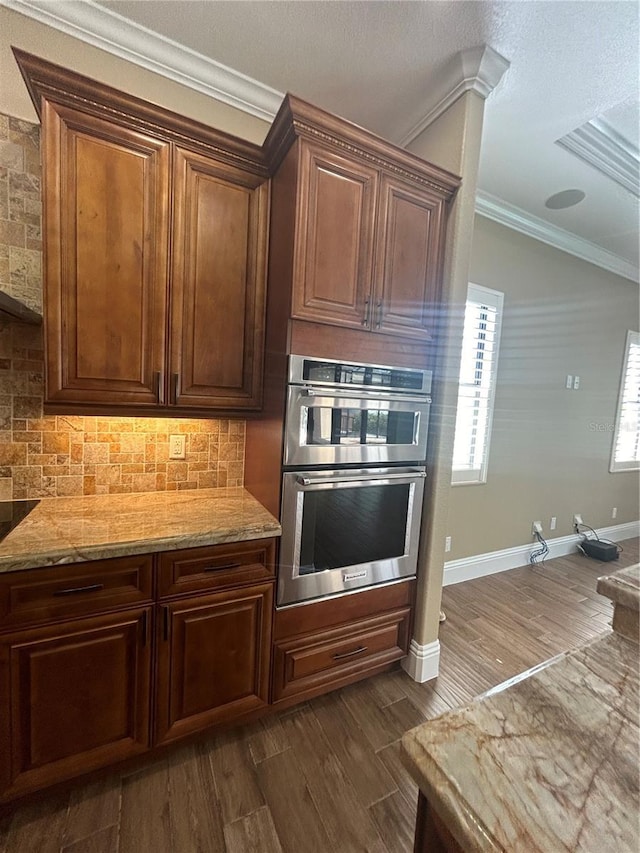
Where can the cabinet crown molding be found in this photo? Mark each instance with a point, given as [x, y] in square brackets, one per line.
[297, 118]
[47, 81]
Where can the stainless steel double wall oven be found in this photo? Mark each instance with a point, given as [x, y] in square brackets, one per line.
[353, 481]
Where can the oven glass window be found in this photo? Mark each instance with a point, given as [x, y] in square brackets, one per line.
[356, 374]
[327, 426]
[348, 526]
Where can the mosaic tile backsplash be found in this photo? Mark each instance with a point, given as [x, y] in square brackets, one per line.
[20, 211]
[49, 456]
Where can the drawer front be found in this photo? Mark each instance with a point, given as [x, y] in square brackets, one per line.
[216, 567]
[311, 664]
[42, 595]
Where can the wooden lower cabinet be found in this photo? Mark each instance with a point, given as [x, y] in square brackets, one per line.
[213, 659]
[314, 663]
[75, 697]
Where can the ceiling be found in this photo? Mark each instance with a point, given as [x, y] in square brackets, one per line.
[383, 64]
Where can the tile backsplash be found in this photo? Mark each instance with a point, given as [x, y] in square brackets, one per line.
[60, 455]
[55, 455]
[20, 211]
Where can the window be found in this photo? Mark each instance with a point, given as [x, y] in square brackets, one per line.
[478, 368]
[625, 454]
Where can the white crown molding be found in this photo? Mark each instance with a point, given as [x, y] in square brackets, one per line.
[468, 568]
[109, 31]
[494, 208]
[478, 69]
[599, 145]
[423, 662]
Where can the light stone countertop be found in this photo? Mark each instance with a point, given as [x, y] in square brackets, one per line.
[622, 587]
[548, 761]
[77, 529]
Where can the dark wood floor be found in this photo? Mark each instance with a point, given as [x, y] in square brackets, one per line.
[325, 776]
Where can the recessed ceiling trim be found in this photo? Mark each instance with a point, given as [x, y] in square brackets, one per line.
[478, 69]
[599, 145]
[109, 31]
[500, 211]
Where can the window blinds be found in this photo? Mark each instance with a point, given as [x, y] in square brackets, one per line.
[478, 368]
[626, 442]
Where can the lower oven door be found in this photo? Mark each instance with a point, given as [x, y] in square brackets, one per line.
[345, 530]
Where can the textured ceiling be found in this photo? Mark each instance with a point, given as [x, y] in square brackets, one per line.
[379, 64]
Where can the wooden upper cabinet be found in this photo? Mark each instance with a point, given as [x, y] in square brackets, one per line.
[155, 240]
[367, 229]
[406, 289]
[218, 283]
[106, 214]
[336, 215]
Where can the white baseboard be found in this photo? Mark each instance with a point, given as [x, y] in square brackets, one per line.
[423, 662]
[468, 568]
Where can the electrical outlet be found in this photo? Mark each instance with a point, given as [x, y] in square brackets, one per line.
[614, 512]
[553, 523]
[536, 527]
[177, 447]
[576, 383]
[577, 519]
[447, 543]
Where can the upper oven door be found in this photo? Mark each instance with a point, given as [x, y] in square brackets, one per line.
[339, 427]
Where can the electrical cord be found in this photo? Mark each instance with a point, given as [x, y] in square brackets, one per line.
[577, 527]
[539, 555]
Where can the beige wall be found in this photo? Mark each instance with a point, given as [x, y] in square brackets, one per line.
[453, 142]
[550, 448]
[19, 31]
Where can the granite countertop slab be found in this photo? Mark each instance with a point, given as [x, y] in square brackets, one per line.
[622, 587]
[548, 763]
[73, 530]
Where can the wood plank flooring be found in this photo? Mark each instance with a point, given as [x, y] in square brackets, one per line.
[325, 775]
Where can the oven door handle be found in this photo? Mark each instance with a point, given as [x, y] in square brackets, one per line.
[345, 478]
[339, 394]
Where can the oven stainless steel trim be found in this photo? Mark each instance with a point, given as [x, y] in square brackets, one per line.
[294, 588]
[300, 398]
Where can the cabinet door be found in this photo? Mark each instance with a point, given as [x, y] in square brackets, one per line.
[73, 697]
[333, 265]
[218, 286]
[213, 659]
[106, 214]
[408, 259]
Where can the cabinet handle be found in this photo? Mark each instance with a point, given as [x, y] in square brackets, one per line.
[145, 628]
[74, 589]
[350, 654]
[165, 632]
[159, 386]
[220, 568]
[379, 314]
[175, 387]
[367, 311]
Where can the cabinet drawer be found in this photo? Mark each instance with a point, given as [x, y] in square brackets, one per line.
[39, 595]
[216, 567]
[310, 664]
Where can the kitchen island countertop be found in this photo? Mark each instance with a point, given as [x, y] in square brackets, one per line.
[546, 762]
[78, 529]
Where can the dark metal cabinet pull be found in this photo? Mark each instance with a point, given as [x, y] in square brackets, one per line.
[175, 387]
[379, 314]
[145, 628]
[367, 311]
[350, 654]
[94, 587]
[220, 568]
[159, 386]
[166, 623]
